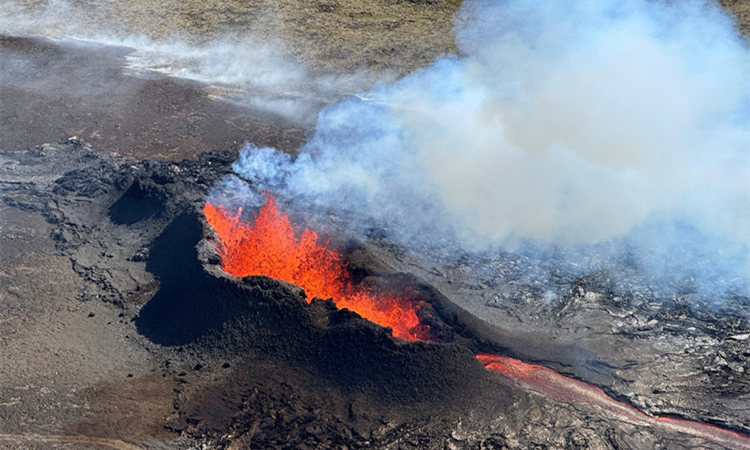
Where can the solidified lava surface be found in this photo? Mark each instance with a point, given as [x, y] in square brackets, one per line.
[135, 321]
[120, 330]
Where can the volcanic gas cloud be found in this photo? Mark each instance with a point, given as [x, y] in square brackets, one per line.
[269, 247]
[607, 128]
[600, 135]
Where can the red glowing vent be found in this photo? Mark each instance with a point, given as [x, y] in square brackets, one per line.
[269, 246]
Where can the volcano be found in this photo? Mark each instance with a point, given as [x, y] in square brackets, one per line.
[161, 289]
[268, 247]
[257, 362]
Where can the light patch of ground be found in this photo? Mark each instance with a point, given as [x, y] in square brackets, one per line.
[334, 35]
[70, 368]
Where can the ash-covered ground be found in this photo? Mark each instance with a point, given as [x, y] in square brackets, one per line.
[120, 331]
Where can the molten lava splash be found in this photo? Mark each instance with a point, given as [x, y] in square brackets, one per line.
[269, 247]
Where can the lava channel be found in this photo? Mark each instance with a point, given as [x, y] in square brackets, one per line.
[549, 383]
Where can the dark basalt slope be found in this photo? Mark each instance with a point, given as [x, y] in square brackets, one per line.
[198, 304]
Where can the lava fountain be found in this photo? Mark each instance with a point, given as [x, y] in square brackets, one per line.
[269, 247]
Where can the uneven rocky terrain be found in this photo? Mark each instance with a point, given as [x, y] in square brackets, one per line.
[126, 334]
[118, 329]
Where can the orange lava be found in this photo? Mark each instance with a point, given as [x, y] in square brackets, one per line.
[551, 384]
[269, 247]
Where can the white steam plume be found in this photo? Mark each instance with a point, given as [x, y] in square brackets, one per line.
[251, 68]
[618, 123]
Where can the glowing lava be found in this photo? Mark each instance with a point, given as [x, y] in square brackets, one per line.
[551, 384]
[269, 247]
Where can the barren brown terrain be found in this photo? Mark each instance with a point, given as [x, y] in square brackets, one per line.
[119, 331]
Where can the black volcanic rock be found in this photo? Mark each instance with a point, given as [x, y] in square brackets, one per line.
[139, 202]
[279, 372]
[198, 304]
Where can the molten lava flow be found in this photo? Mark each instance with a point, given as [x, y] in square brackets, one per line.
[551, 384]
[269, 247]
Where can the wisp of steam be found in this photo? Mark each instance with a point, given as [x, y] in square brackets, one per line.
[615, 127]
[251, 68]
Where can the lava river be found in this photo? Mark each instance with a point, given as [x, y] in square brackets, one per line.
[545, 381]
[268, 246]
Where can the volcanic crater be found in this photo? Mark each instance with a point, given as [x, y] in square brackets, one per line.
[120, 328]
[251, 363]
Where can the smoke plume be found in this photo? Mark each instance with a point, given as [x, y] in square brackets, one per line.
[611, 131]
[620, 127]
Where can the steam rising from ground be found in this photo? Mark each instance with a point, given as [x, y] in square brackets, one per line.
[250, 71]
[616, 126]
[252, 68]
